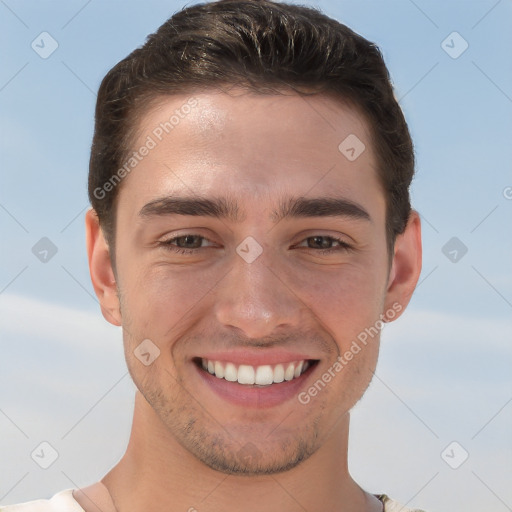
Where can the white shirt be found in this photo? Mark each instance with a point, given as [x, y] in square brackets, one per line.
[61, 502]
[64, 502]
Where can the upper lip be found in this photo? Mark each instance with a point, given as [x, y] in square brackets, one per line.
[256, 358]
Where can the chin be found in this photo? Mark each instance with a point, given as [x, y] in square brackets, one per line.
[251, 461]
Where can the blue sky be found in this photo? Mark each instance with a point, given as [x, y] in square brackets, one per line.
[444, 372]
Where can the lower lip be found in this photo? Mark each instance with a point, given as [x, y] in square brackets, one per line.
[254, 396]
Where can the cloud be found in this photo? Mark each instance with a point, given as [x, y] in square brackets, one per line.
[31, 319]
[452, 331]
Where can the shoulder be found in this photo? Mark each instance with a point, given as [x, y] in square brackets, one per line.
[61, 502]
[393, 506]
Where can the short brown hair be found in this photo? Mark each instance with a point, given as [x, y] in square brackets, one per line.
[264, 46]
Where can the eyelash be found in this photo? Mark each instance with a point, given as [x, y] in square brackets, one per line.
[168, 244]
[342, 247]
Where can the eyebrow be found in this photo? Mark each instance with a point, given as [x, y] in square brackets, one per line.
[197, 206]
[228, 209]
[320, 207]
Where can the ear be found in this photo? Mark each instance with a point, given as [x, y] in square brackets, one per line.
[100, 268]
[405, 268]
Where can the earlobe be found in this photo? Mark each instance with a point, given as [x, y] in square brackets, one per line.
[405, 268]
[100, 268]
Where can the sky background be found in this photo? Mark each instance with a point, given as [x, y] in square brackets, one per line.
[444, 371]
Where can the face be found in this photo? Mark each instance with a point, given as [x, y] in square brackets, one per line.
[251, 256]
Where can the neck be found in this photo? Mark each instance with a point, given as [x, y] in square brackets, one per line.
[157, 472]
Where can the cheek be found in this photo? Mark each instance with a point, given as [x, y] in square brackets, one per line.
[161, 298]
[160, 304]
[345, 300]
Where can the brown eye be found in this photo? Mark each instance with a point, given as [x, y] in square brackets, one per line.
[320, 242]
[189, 241]
[324, 244]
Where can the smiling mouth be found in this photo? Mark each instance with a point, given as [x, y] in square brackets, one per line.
[260, 375]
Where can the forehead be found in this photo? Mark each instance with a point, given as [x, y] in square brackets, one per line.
[251, 146]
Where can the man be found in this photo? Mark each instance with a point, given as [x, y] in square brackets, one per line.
[251, 232]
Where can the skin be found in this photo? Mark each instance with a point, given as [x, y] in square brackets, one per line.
[186, 443]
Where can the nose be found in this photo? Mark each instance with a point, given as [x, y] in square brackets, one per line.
[256, 299]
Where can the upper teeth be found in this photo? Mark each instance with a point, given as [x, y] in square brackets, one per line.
[263, 375]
